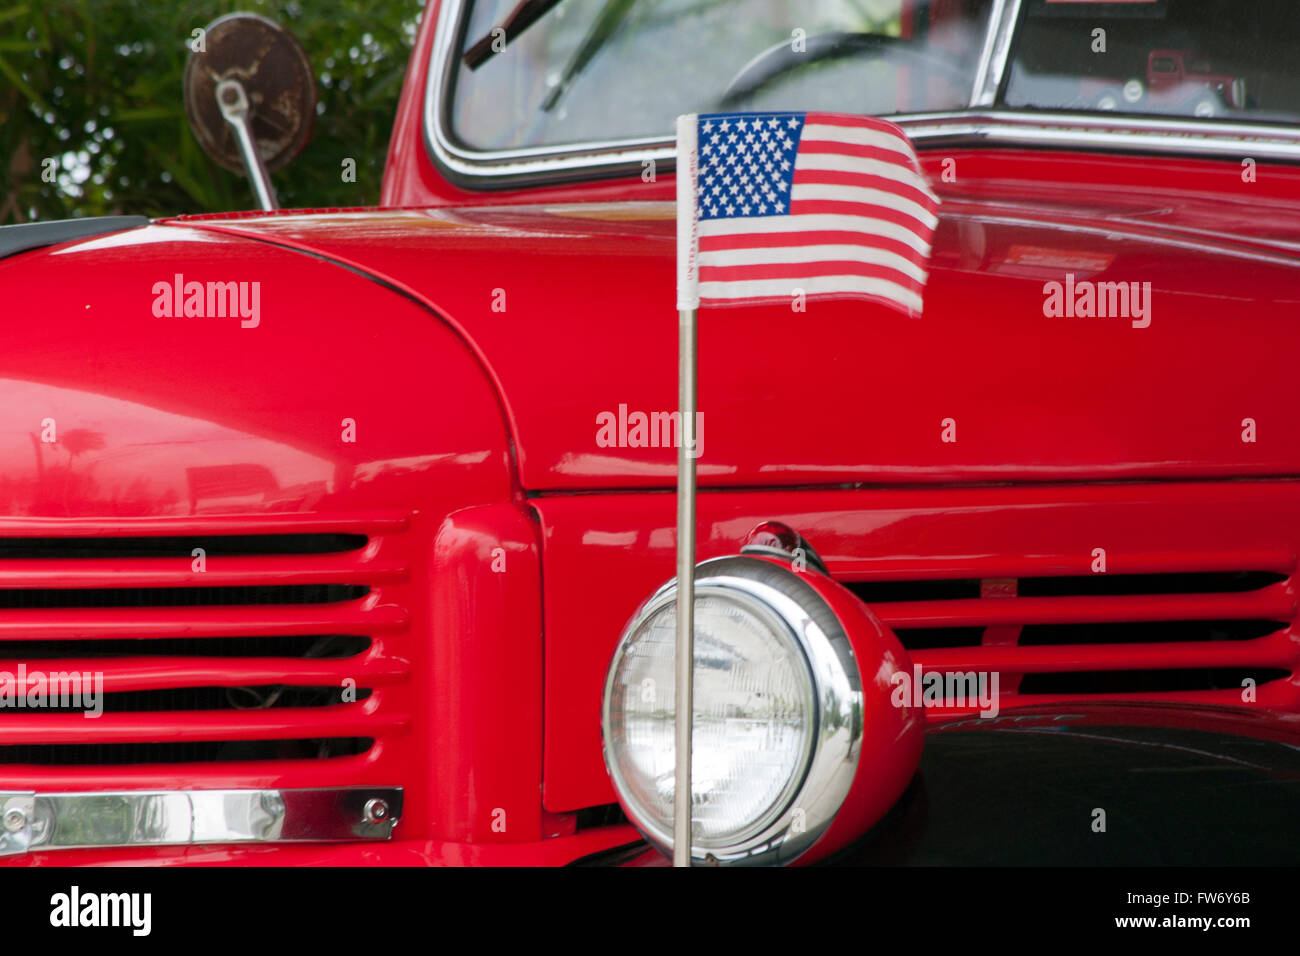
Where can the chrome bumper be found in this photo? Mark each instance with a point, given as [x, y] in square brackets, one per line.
[58, 821]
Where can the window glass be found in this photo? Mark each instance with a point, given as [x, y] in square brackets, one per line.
[1185, 58]
[592, 70]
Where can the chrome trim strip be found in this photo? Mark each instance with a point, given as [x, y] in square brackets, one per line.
[1088, 131]
[133, 818]
[482, 169]
[997, 49]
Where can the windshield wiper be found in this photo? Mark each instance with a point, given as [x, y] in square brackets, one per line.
[607, 21]
[523, 16]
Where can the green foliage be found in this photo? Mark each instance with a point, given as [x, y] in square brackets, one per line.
[96, 85]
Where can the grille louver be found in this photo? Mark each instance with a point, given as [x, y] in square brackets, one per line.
[1172, 626]
[244, 661]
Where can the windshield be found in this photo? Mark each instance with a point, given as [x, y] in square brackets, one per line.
[595, 70]
[564, 72]
[1185, 58]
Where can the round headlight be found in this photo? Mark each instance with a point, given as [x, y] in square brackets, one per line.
[777, 713]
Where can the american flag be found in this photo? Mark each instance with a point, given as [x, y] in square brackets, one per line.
[832, 204]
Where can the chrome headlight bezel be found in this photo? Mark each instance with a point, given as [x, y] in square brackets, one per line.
[833, 693]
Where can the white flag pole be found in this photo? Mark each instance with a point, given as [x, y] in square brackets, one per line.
[688, 302]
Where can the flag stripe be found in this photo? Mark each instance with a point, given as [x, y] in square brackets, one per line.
[796, 271]
[849, 139]
[859, 196]
[855, 150]
[776, 246]
[899, 257]
[867, 180]
[825, 147]
[896, 169]
[810, 256]
[831, 207]
[848, 159]
[787, 230]
[780, 290]
[853, 119]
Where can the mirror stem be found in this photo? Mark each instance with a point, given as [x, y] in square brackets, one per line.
[234, 107]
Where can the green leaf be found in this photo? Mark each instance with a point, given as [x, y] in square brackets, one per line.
[12, 13]
[147, 113]
[32, 96]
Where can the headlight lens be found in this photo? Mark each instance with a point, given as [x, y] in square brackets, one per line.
[755, 716]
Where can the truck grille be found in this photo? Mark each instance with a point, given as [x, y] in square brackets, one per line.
[1198, 589]
[1172, 626]
[279, 649]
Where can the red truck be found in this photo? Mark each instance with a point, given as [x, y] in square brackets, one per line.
[325, 512]
[1177, 84]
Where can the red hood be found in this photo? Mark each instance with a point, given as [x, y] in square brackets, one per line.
[571, 307]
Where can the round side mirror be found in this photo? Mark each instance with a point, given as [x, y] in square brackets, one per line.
[262, 60]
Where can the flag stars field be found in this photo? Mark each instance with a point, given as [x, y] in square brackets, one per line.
[759, 166]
